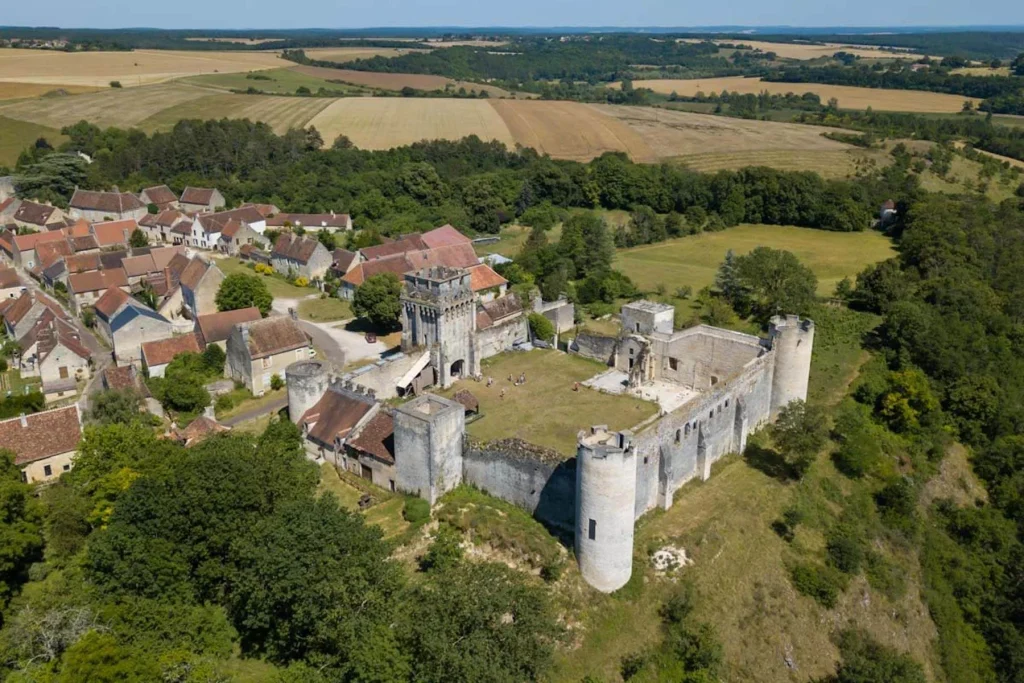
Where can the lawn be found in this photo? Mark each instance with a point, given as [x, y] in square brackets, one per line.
[331, 482]
[278, 286]
[12, 381]
[281, 81]
[245, 402]
[694, 260]
[511, 240]
[546, 411]
[325, 310]
[15, 136]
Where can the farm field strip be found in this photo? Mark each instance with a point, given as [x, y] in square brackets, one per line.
[140, 67]
[828, 163]
[396, 81]
[849, 97]
[16, 91]
[280, 113]
[350, 54]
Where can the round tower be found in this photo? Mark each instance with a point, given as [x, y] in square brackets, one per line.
[307, 380]
[605, 499]
[792, 342]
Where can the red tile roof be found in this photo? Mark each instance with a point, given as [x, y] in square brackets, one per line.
[80, 263]
[343, 258]
[29, 242]
[194, 272]
[9, 278]
[43, 435]
[34, 214]
[59, 332]
[197, 195]
[376, 438]
[199, 429]
[160, 195]
[47, 253]
[271, 336]
[125, 377]
[215, 222]
[444, 236]
[163, 351]
[79, 228]
[112, 300]
[112, 203]
[410, 242]
[96, 280]
[216, 327]
[335, 414]
[310, 221]
[397, 264]
[136, 266]
[295, 247]
[483, 277]
[114, 232]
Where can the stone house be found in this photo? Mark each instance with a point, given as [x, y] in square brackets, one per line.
[305, 256]
[106, 307]
[132, 326]
[105, 206]
[259, 350]
[237, 234]
[24, 247]
[157, 355]
[158, 226]
[201, 200]
[344, 260]
[44, 444]
[370, 450]
[161, 196]
[84, 289]
[59, 353]
[215, 328]
[22, 314]
[312, 222]
[199, 284]
[26, 214]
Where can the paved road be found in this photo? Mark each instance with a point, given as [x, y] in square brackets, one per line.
[338, 344]
[256, 412]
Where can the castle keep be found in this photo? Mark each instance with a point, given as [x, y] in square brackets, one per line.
[713, 387]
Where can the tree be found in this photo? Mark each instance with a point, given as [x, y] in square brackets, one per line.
[773, 282]
[541, 327]
[116, 406]
[214, 359]
[241, 290]
[800, 432]
[378, 301]
[21, 533]
[138, 238]
[727, 280]
[866, 661]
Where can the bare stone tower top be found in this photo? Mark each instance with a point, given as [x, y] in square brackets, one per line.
[439, 314]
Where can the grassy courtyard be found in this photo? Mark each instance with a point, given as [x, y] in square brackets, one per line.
[694, 260]
[325, 310]
[278, 286]
[546, 411]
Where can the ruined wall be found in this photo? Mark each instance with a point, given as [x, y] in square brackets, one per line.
[704, 356]
[536, 479]
[500, 338]
[595, 346]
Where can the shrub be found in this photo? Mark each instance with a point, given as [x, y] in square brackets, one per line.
[541, 327]
[263, 269]
[885, 576]
[276, 382]
[115, 84]
[416, 510]
[224, 403]
[845, 548]
[301, 282]
[823, 584]
[552, 571]
[444, 552]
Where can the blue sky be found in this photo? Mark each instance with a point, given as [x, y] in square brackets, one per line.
[365, 13]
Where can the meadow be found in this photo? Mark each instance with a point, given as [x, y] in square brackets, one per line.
[693, 261]
[16, 135]
[397, 81]
[849, 97]
[277, 81]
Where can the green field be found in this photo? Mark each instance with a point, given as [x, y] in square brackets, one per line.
[325, 310]
[546, 411]
[278, 286]
[694, 260]
[15, 136]
[281, 81]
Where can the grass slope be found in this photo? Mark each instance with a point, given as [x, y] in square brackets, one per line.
[694, 260]
[16, 135]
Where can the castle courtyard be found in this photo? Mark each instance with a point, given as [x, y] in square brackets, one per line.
[546, 411]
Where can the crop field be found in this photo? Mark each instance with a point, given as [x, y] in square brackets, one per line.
[570, 130]
[849, 97]
[350, 54]
[802, 52]
[694, 260]
[382, 123]
[831, 163]
[140, 67]
[396, 81]
[982, 71]
[279, 81]
[17, 91]
[110, 107]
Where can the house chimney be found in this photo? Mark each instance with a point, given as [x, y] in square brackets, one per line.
[24, 421]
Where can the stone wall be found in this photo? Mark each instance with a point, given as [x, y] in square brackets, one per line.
[500, 338]
[536, 479]
[595, 346]
[704, 356]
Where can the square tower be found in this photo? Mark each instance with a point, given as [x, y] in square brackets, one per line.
[645, 317]
[439, 314]
[428, 446]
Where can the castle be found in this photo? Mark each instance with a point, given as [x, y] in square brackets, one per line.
[714, 387]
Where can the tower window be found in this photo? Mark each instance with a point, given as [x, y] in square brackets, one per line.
[637, 326]
[726, 403]
[673, 363]
[687, 429]
[592, 530]
[677, 436]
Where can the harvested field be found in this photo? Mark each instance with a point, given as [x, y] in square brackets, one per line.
[140, 67]
[570, 130]
[382, 123]
[17, 91]
[674, 134]
[350, 54]
[467, 43]
[280, 113]
[391, 81]
[982, 71]
[849, 97]
[110, 107]
[694, 260]
[832, 163]
[237, 41]
[273, 81]
[798, 51]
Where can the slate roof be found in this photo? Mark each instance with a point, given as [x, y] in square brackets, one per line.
[295, 247]
[377, 438]
[163, 351]
[34, 214]
[107, 202]
[216, 327]
[271, 336]
[44, 434]
[335, 414]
